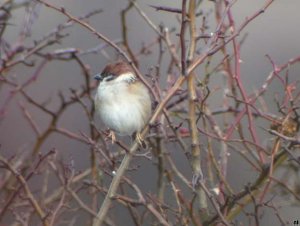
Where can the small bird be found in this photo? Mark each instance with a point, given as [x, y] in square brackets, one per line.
[122, 100]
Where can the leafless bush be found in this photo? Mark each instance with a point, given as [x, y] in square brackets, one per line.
[183, 117]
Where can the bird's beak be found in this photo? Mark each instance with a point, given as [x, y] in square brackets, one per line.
[98, 77]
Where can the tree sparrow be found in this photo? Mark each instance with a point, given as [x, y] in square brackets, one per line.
[122, 100]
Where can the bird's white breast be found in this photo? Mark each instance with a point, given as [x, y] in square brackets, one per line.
[120, 109]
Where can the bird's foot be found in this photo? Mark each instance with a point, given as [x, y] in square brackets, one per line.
[140, 140]
[112, 136]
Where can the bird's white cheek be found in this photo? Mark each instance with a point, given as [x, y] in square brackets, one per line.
[106, 92]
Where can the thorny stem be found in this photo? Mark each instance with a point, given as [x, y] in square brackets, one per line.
[125, 33]
[193, 100]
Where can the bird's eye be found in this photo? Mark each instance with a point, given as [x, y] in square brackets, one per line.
[109, 78]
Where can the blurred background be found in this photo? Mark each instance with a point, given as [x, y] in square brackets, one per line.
[275, 33]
